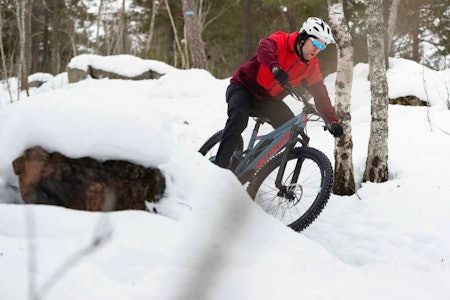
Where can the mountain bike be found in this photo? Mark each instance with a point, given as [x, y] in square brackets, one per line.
[288, 179]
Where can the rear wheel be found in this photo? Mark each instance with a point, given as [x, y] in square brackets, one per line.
[306, 186]
[210, 147]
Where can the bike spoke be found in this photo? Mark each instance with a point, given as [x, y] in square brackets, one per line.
[302, 181]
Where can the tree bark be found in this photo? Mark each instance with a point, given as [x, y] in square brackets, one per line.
[151, 30]
[55, 37]
[377, 158]
[247, 29]
[344, 181]
[3, 58]
[121, 43]
[24, 27]
[392, 21]
[194, 35]
[415, 23]
[184, 62]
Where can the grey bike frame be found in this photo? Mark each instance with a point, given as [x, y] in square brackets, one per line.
[285, 136]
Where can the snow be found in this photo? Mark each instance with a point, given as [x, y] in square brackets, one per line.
[123, 64]
[209, 240]
[43, 77]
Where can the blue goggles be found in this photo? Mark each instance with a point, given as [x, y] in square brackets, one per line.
[317, 44]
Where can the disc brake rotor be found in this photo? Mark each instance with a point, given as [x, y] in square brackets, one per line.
[291, 196]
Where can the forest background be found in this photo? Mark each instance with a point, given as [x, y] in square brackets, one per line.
[58, 30]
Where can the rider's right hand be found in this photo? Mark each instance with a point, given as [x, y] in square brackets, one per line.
[280, 75]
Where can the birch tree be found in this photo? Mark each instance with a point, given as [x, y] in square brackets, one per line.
[194, 35]
[344, 181]
[377, 158]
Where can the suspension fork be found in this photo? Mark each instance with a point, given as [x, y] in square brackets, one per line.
[293, 139]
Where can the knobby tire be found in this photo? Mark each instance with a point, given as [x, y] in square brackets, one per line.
[309, 194]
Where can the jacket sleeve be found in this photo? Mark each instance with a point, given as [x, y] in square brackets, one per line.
[322, 101]
[267, 53]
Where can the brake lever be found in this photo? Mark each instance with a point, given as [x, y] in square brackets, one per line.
[309, 109]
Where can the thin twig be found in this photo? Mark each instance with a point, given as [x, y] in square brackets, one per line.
[102, 233]
[31, 248]
[448, 95]
[446, 132]
[426, 96]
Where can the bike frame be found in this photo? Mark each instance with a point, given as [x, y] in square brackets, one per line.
[284, 137]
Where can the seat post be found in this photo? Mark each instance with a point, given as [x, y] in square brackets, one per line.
[258, 123]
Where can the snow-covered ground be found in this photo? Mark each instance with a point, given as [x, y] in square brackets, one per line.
[209, 240]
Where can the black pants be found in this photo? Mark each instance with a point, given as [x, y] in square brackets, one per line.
[242, 104]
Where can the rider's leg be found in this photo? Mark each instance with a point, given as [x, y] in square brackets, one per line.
[277, 112]
[238, 99]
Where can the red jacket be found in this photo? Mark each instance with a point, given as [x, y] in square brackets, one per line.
[278, 50]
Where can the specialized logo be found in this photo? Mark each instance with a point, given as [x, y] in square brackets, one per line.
[283, 140]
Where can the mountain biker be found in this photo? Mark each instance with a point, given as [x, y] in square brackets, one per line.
[256, 88]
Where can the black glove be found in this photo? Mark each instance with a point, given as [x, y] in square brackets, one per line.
[280, 75]
[336, 129]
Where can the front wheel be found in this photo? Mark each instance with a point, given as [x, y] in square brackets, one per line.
[306, 186]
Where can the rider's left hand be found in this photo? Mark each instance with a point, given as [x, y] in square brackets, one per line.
[336, 129]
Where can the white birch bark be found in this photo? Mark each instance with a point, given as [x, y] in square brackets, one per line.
[344, 182]
[377, 157]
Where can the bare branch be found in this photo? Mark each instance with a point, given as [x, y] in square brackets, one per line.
[175, 33]
[426, 96]
[102, 233]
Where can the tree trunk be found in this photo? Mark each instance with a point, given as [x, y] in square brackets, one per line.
[3, 58]
[247, 29]
[177, 46]
[393, 11]
[194, 35]
[35, 43]
[415, 23]
[121, 43]
[377, 158]
[344, 181]
[55, 38]
[151, 30]
[24, 26]
[99, 22]
[45, 41]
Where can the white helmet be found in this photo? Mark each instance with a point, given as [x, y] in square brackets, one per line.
[318, 28]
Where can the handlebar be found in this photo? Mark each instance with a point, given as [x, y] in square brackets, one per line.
[308, 107]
